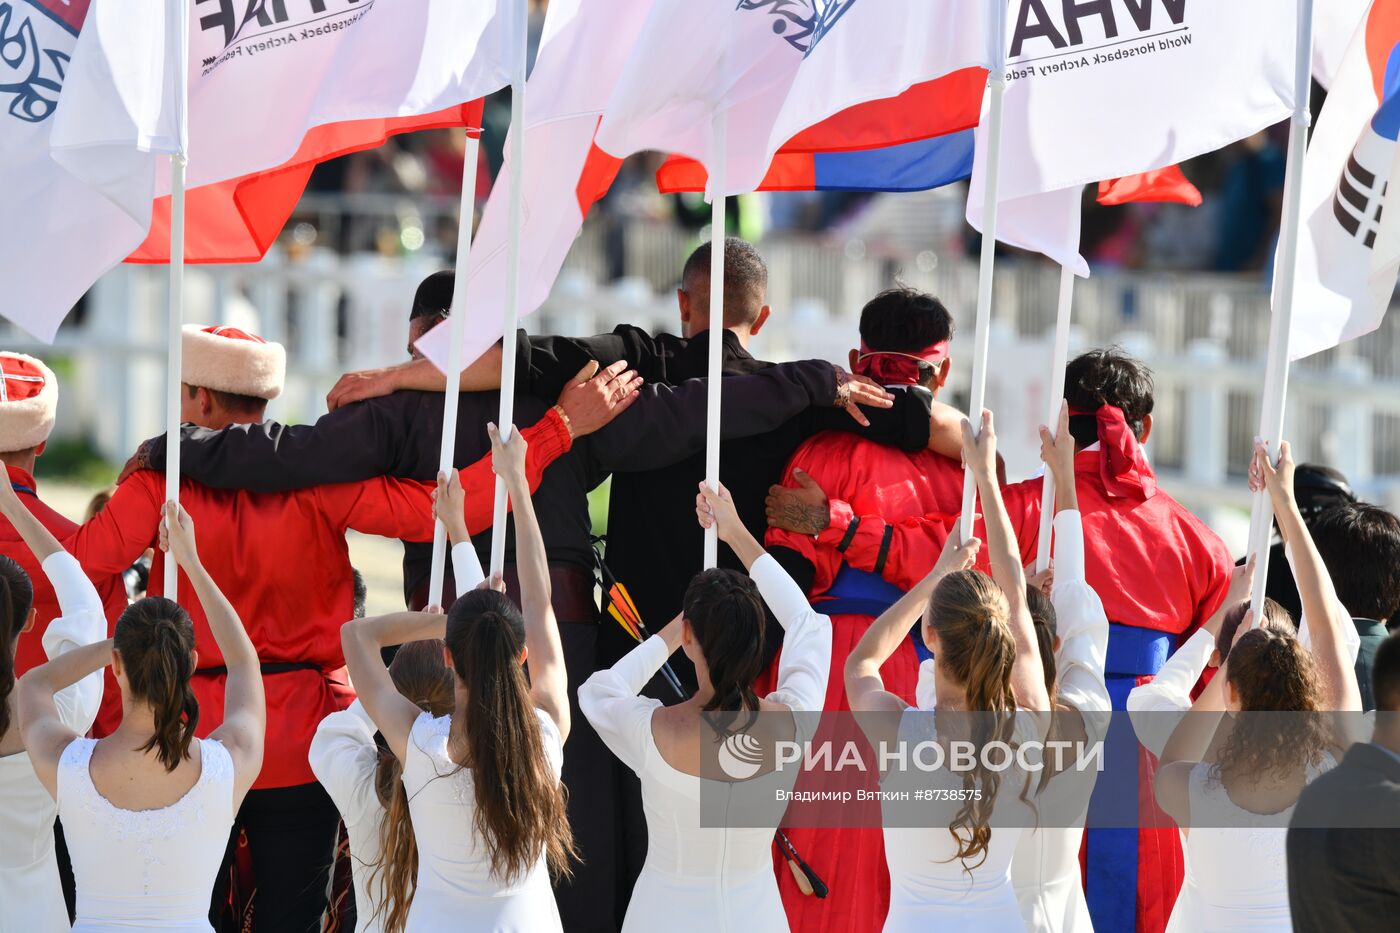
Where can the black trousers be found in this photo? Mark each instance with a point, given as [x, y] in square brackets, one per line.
[292, 833]
[604, 809]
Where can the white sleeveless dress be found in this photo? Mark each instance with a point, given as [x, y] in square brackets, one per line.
[145, 869]
[1045, 869]
[31, 898]
[456, 889]
[696, 879]
[1236, 869]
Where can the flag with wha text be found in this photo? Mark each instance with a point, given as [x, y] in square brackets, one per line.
[271, 86]
[772, 70]
[1349, 243]
[1114, 89]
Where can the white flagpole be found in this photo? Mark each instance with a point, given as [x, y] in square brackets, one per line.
[1058, 359]
[1275, 398]
[176, 310]
[457, 331]
[996, 92]
[718, 202]
[512, 311]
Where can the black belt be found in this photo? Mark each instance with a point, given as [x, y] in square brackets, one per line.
[267, 667]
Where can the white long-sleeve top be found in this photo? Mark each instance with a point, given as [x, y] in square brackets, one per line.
[30, 893]
[697, 879]
[344, 758]
[1045, 869]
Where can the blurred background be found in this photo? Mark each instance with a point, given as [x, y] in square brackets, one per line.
[1185, 288]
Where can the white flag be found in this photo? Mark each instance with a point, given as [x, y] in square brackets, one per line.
[1349, 243]
[1108, 90]
[774, 68]
[582, 52]
[59, 234]
[1334, 23]
[261, 76]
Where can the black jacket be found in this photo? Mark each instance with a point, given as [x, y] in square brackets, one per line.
[1344, 846]
[654, 543]
[401, 434]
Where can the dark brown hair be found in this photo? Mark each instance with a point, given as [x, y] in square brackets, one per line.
[1275, 617]
[1046, 625]
[421, 675]
[726, 614]
[520, 811]
[1280, 729]
[155, 640]
[16, 599]
[971, 617]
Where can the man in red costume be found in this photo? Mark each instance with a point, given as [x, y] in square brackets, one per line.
[283, 560]
[1161, 574]
[840, 557]
[28, 406]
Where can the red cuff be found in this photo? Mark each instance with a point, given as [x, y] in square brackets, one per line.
[841, 515]
[551, 435]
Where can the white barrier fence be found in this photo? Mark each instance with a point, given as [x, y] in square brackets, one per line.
[1203, 335]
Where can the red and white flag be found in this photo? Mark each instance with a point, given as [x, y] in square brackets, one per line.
[583, 49]
[273, 89]
[773, 69]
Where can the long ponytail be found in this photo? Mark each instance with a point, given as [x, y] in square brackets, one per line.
[725, 612]
[520, 808]
[421, 675]
[155, 640]
[971, 617]
[16, 599]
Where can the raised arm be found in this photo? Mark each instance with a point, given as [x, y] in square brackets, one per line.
[1320, 604]
[82, 619]
[245, 710]
[392, 712]
[448, 508]
[1027, 674]
[865, 688]
[41, 724]
[544, 656]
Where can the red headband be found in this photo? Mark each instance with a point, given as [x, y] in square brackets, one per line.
[895, 367]
[1122, 464]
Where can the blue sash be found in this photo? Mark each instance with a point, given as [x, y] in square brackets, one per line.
[860, 593]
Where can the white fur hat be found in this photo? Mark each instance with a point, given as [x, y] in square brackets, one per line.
[28, 402]
[227, 359]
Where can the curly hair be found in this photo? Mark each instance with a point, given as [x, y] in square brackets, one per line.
[1281, 729]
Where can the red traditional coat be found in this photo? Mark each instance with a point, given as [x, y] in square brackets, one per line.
[282, 561]
[883, 487]
[109, 585]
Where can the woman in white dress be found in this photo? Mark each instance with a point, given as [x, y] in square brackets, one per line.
[482, 782]
[1072, 629]
[30, 893]
[1231, 782]
[147, 810]
[365, 779]
[718, 878]
[957, 876]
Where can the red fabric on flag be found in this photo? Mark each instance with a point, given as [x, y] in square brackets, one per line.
[949, 104]
[238, 220]
[1168, 184]
[945, 105]
[790, 171]
[599, 171]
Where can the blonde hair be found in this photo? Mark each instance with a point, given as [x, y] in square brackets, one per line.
[971, 617]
